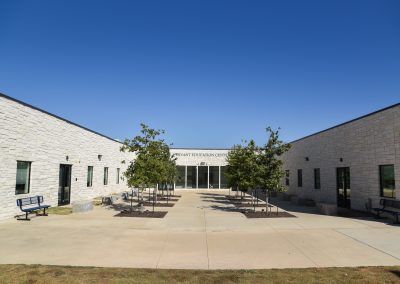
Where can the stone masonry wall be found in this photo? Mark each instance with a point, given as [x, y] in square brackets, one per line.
[28, 134]
[363, 145]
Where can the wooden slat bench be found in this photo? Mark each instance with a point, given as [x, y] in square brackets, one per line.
[31, 204]
[389, 206]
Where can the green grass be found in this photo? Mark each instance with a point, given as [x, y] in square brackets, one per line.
[59, 210]
[67, 274]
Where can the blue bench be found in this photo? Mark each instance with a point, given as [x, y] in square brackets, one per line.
[389, 206]
[31, 204]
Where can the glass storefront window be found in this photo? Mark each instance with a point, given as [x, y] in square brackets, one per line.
[214, 177]
[203, 177]
[191, 177]
[224, 181]
[180, 179]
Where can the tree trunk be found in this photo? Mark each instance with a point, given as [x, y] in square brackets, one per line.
[153, 199]
[155, 196]
[167, 194]
[257, 196]
[254, 203]
[131, 201]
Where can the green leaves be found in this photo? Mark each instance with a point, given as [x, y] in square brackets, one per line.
[242, 166]
[251, 166]
[153, 163]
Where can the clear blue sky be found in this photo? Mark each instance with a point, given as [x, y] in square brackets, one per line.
[209, 72]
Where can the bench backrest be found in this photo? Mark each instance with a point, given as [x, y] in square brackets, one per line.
[390, 203]
[29, 200]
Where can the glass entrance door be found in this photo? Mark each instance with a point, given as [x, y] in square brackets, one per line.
[343, 187]
[64, 187]
[203, 176]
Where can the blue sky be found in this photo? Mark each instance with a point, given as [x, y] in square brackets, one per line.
[208, 72]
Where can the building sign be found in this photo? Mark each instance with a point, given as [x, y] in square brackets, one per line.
[201, 154]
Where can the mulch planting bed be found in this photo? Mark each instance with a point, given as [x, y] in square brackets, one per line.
[248, 205]
[146, 214]
[158, 204]
[268, 215]
[177, 196]
[233, 197]
[165, 199]
[239, 200]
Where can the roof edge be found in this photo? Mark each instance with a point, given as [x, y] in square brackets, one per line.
[58, 117]
[179, 148]
[347, 122]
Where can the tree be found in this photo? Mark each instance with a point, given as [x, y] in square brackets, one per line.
[270, 170]
[242, 167]
[153, 161]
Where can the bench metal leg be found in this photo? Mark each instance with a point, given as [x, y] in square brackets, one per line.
[24, 219]
[42, 214]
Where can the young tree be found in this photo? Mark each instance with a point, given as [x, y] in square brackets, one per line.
[270, 170]
[152, 162]
[242, 167]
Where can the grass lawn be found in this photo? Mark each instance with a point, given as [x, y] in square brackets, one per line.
[59, 210]
[67, 274]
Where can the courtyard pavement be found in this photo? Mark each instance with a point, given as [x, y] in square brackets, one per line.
[199, 232]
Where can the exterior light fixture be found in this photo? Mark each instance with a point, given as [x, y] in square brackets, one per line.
[341, 159]
[100, 156]
[307, 159]
[66, 158]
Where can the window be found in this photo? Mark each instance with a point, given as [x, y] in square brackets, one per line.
[317, 179]
[387, 183]
[23, 177]
[287, 174]
[105, 176]
[117, 175]
[191, 176]
[224, 180]
[89, 176]
[299, 178]
[180, 179]
[213, 174]
[202, 177]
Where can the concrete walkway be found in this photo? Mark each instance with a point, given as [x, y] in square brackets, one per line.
[200, 232]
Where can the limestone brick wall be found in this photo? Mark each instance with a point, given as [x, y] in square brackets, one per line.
[363, 145]
[28, 134]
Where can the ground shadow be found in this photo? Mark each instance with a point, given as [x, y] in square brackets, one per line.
[217, 201]
[395, 272]
[227, 209]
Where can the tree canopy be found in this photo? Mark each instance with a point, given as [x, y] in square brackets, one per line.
[153, 163]
[242, 167]
[251, 166]
[271, 171]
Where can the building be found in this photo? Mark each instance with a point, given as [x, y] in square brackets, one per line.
[201, 168]
[43, 154]
[353, 165]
